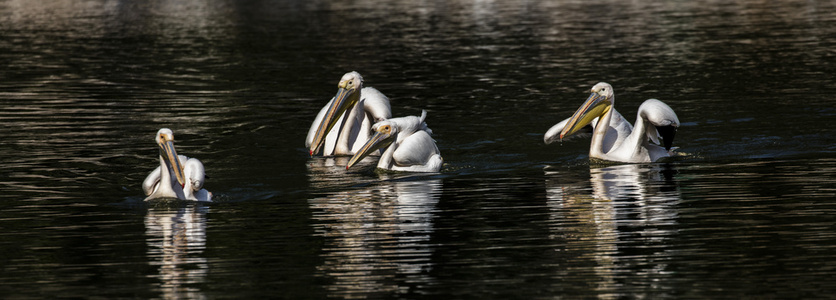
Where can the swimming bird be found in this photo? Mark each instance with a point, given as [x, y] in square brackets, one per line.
[177, 176]
[342, 126]
[619, 141]
[408, 144]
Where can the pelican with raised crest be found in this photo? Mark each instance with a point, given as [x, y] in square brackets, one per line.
[177, 176]
[617, 140]
[343, 125]
[408, 145]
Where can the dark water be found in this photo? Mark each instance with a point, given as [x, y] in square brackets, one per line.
[748, 212]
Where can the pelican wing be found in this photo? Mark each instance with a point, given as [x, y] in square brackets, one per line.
[196, 172]
[149, 185]
[417, 149]
[663, 119]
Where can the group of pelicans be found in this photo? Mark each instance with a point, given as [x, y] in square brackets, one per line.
[358, 122]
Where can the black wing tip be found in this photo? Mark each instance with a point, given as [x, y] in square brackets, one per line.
[667, 133]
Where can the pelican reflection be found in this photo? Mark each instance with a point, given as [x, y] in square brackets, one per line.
[326, 173]
[618, 226]
[176, 239]
[376, 237]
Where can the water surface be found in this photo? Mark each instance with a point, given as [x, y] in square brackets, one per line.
[746, 212]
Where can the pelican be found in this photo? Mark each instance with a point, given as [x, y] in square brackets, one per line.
[620, 141]
[183, 176]
[410, 147]
[342, 126]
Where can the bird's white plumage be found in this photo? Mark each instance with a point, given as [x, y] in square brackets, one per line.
[162, 182]
[415, 149]
[619, 141]
[409, 146]
[352, 127]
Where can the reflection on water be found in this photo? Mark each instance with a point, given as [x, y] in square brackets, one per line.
[176, 241]
[376, 236]
[620, 223]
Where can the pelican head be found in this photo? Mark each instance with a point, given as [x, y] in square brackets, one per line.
[165, 140]
[385, 133]
[598, 104]
[348, 93]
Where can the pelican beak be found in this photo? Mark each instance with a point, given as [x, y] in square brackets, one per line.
[381, 139]
[172, 160]
[345, 98]
[594, 106]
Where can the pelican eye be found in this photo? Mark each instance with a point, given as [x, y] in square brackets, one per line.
[385, 129]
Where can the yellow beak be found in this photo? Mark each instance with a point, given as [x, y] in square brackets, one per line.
[344, 99]
[594, 106]
[379, 140]
[172, 160]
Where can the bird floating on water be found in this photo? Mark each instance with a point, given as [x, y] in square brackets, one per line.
[177, 176]
[342, 126]
[619, 141]
[408, 145]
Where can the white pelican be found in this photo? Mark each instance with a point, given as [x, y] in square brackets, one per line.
[620, 141]
[183, 176]
[410, 147]
[342, 126]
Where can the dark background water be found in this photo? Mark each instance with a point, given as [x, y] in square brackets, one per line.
[748, 211]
